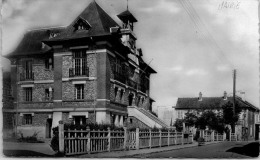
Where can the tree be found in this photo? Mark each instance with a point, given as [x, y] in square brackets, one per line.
[211, 120]
[190, 119]
[178, 124]
[228, 114]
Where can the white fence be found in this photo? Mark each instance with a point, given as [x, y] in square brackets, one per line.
[210, 136]
[73, 142]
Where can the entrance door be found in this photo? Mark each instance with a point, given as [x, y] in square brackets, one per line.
[48, 128]
[257, 132]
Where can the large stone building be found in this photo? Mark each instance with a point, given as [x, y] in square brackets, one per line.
[246, 125]
[89, 71]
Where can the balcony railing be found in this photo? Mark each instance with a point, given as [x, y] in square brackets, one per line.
[79, 72]
[27, 76]
[119, 77]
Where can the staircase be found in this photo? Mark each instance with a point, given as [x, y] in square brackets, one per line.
[146, 117]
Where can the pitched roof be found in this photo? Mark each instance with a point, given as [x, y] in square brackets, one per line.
[96, 17]
[209, 103]
[126, 15]
[31, 43]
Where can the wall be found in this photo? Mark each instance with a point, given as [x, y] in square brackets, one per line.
[38, 125]
[135, 123]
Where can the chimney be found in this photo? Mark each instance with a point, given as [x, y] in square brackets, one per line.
[243, 95]
[225, 95]
[200, 96]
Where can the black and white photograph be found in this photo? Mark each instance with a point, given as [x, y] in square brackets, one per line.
[132, 79]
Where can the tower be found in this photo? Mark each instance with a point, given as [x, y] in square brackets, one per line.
[128, 36]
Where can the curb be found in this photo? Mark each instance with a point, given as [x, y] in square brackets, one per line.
[170, 149]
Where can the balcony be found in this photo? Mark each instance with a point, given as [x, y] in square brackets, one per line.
[27, 76]
[79, 72]
[132, 83]
[119, 77]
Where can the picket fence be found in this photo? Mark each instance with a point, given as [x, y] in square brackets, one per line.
[210, 136]
[72, 142]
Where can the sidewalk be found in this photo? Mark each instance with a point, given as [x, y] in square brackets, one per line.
[117, 154]
[14, 149]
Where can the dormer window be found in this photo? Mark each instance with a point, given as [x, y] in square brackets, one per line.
[52, 35]
[81, 25]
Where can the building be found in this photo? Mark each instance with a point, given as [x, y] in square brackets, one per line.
[7, 101]
[246, 119]
[88, 71]
[167, 114]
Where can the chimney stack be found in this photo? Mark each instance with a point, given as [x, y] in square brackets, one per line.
[200, 96]
[225, 95]
[243, 95]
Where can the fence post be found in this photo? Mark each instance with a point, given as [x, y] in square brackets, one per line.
[191, 137]
[230, 136]
[61, 137]
[182, 138]
[212, 135]
[150, 141]
[224, 136]
[125, 137]
[137, 138]
[109, 139]
[168, 137]
[88, 139]
[160, 137]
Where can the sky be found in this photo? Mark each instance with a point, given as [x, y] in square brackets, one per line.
[193, 45]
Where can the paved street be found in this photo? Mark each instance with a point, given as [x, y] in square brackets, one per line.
[219, 150]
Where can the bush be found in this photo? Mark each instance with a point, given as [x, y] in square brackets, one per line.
[55, 139]
[29, 139]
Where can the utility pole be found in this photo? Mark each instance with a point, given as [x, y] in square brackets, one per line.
[234, 98]
[234, 91]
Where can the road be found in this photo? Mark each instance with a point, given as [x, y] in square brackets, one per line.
[219, 150]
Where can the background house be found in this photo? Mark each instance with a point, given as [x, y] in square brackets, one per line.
[88, 71]
[167, 114]
[198, 104]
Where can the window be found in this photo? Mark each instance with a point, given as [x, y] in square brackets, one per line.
[118, 66]
[28, 94]
[179, 114]
[47, 94]
[80, 62]
[116, 89]
[79, 91]
[131, 120]
[27, 72]
[122, 93]
[49, 63]
[78, 120]
[27, 119]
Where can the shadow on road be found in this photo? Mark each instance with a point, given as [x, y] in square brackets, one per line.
[251, 149]
[24, 153]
